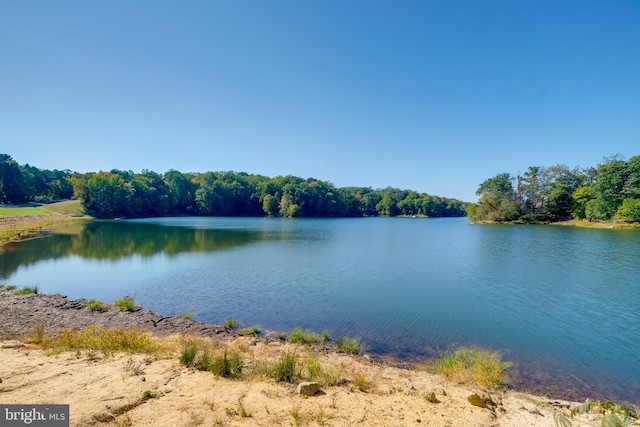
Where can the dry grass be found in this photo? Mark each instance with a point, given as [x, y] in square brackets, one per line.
[17, 226]
[108, 341]
[473, 365]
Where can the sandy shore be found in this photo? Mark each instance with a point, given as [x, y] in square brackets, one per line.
[143, 390]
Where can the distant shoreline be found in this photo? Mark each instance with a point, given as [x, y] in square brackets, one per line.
[580, 223]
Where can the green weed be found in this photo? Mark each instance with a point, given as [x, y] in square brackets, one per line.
[227, 365]
[231, 324]
[27, 290]
[254, 330]
[285, 367]
[38, 334]
[297, 336]
[127, 303]
[95, 305]
[188, 354]
[349, 345]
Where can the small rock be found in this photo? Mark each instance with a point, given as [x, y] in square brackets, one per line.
[431, 397]
[142, 379]
[534, 410]
[308, 388]
[440, 390]
[482, 400]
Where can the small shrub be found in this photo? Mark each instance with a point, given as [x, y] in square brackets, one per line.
[10, 287]
[297, 336]
[95, 305]
[27, 290]
[127, 303]
[325, 336]
[227, 365]
[254, 330]
[188, 315]
[473, 365]
[349, 345]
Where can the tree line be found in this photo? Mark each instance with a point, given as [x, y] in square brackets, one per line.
[120, 193]
[610, 191]
[22, 183]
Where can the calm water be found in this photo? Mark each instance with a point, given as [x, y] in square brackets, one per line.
[562, 303]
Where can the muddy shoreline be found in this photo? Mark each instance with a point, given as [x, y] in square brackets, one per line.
[21, 314]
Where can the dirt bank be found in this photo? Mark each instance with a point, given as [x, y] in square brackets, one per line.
[140, 390]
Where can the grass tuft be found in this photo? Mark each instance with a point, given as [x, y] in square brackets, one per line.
[188, 354]
[227, 365]
[188, 315]
[231, 324]
[27, 290]
[38, 336]
[312, 370]
[473, 365]
[297, 336]
[127, 303]
[360, 381]
[95, 305]
[349, 345]
[254, 330]
[285, 367]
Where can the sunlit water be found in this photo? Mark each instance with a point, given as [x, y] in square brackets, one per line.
[562, 303]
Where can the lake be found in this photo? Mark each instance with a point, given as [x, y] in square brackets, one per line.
[562, 303]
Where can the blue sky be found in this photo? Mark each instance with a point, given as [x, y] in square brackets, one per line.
[435, 96]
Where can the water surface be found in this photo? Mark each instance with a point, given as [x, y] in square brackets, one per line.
[563, 303]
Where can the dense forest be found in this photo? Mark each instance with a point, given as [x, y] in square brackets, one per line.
[610, 191]
[126, 194]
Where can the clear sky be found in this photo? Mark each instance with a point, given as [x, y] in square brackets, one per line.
[434, 96]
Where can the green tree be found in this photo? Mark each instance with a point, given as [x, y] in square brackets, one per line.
[629, 210]
[181, 192]
[12, 181]
[270, 205]
[497, 199]
[608, 189]
[103, 194]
